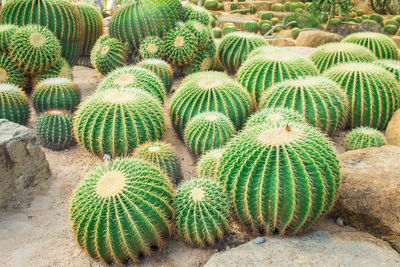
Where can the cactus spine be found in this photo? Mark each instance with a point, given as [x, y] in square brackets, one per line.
[14, 104]
[161, 68]
[364, 137]
[201, 62]
[390, 65]
[181, 46]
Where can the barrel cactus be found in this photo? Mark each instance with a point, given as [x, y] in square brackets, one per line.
[151, 47]
[207, 131]
[235, 47]
[328, 55]
[390, 29]
[34, 49]
[208, 163]
[115, 122]
[129, 203]
[162, 155]
[194, 12]
[250, 26]
[381, 45]
[134, 77]
[201, 33]
[390, 65]
[281, 177]
[209, 91]
[59, 69]
[161, 68]
[202, 211]
[373, 93]
[6, 33]
[201, 62]
[10, 73]
[274, 115]
[181, 46]
[321, 101]
[364, 137]
[14, 104]
[261, 71]
[216, 32]
[54, 129]
[60, 17]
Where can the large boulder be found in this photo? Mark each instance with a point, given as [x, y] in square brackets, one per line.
[281, 41]
[369, 198]
[393, 130]
[314, 38]
[22, 162]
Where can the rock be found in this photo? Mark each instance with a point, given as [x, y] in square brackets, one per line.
[396, 39]
[393, 130]
[314, 38]
[22, 162]
[259, 240]
[260, 5]
[237, 20]
[281, 41]
[369, 197]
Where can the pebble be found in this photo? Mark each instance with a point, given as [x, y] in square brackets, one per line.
[259, 240]
[339, 221]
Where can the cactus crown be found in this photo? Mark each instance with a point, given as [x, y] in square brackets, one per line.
[181, 46]
[151, 47]
[6, 33]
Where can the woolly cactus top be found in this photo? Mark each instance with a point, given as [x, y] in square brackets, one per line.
[56, 81]
[4, 87]
[274, 115]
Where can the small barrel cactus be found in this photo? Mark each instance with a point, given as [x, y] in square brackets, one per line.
[194, 12]
[364, 137]
[209, 91]
[378, 18]
[233, 6]
[266, 15]
[227, 29]
[10, 73]
[320, 100]
[34, 49]
[295, 32]
[274, 115]
[211, 4]
[280, 177]
[253, 9]
[161, 68]
[235, 47]
[14, 104]
[207, 131]
[328, 55]
[180, 45]
[217, 32]
[56, 93]
[390, 29]
[134, 77]
[6, 33]
[381, 45]
[202, 211]
[208, 163]
[151, 47]
[390, 65]
[201, 33]
[278, 7]
[162, 155]
[115, 122]
[54, 129]
[201, 62]
[373, 93]
[129, 204]
[60, 69]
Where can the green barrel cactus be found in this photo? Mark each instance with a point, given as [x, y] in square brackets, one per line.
[233, 6]
[56, 93]
[201, 62]
[161, 68]
[390, 65]
[128, 204]
[253, 9]
[208, 163]
[151, 47]
[211, 48]
[60, 17]
[227, 29]
[10, 73]
[115, 122]
[280, 177]
[217, 32]
[260, 72]
[34, 49]
[274, 115]
[381, 45]
[250, 26]
[328, 55]
[207, 131]
[194, 12]
[373, 93]
[134, 77]
[201, 33]
[6, 33]
[211, 4]
[202, 211]
[378, 18]
[364, 137]
[266, 15]
[321, 101]
[209, 91]
[295, 32]
[14, 104]
[163, 156]
[278, 7]
[54, 129]
[390, 29]
[235, 47]
[181, 46]
[59, 69]
[108, 54]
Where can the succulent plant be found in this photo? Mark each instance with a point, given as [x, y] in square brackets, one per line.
[209, 91]
[227, 29]
[115, 122]
[364, 137]
[181, 46]
[269, 66]
[211, 4]
[266, 15]
[250, 26]
[207, 165]
[151, 47]
[161, 68]
[56, 93]
[378, 18]
[217, 32]
[54, 129]
[207, 131]
[321, 101]
[211, 48]
[390, 65]
[162, 155]
[59, 69]
[328, 55]
[295, 32]
[235, 47]
[381, 45]
[194, 12]
[202, 211]
[34, 49]
[201, 62]
[129, 204]
[390, 29]
[10, 73]
[14, 104]
[6, 33]
[273, 116]
[201, 33]
[253, 9]
[280, 177]
[373, 93]
[134, 77]
[278, 7]
[108, 54]
[233, 6]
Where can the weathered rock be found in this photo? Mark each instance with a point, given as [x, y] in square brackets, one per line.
[281, 41]
[369, 198]
[314, 38]
[22, 162]
[393, 130]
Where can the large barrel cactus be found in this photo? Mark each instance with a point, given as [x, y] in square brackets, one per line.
[161, 68]
[14, 104]
[280, 177]
[10, 73]
[390, 65]
[59, 16]
[364, 137]
[122, 211]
